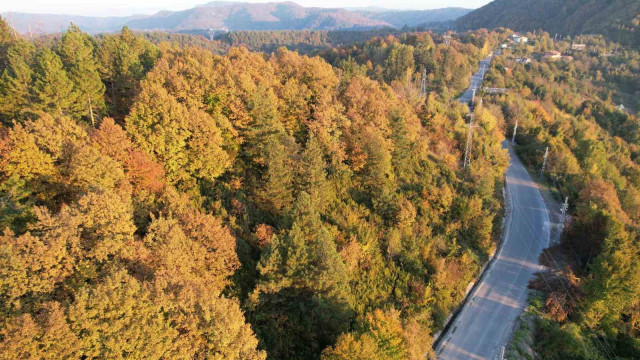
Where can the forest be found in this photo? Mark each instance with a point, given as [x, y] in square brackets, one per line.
[590, 305]
[618, 20]
[167, 201]
[299, 195]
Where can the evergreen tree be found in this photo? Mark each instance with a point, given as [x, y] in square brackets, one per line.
[276, 193]
[52, 88]
[7, 37]
[301, 302]
[124, 59]
[16, 81]
[77, 53]
[313, 175]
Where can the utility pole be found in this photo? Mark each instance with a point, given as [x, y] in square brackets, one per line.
[211, 33]
[515, 129]
[423, 83]
[563, 210]
[544, 161]
[467, 148]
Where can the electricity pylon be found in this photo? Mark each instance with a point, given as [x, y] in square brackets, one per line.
[544, 161]
[467, 148]
[423, 83]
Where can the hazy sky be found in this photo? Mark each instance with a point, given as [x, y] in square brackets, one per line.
[124, 7]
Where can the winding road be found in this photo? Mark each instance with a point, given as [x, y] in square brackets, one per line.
[484, 324]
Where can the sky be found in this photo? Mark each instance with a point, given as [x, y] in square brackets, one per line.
[129, 7]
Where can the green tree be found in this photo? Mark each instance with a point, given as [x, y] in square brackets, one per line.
[313, 175]
[124, 59]
[16, 81]
[77, 52]
[53, 91]
[301, 303]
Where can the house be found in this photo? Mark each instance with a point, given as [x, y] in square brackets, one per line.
[504, 46]
[552, 55]
[523, 60]
[621, 107]
[578, 47]
[519, 39]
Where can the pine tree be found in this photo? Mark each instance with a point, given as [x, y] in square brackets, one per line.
[313, 175]
[53, 89]
[7, 37]
[276, 194]
[304, 285]
[124, 59]
[16, 81]
[77, 54]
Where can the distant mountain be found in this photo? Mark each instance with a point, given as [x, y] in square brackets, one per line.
[617, 19]
[49, 23]
[237, 16]
[248, 16]
[400, 18]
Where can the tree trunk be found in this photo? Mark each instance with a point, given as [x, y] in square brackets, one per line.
[93, 121]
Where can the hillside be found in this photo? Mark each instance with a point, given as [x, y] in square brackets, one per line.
[247, 16]
[236, 16]
[618, 19]
[160, 202]
[415, 17]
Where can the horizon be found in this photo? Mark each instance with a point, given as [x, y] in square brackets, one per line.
[122, 8]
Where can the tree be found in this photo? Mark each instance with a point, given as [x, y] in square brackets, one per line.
[192, 257]
[381, 337]
[107, 225]
[87, 169]
[77, 52]
[187, 141]
[46, 335]
[35, 262]
[22, 157]
[141, 170]
[53, 91]
[7, 37]
[313, 176]
[16, 81]
[118, 319]
[217, 331]
[124, 59]
[276, 190]
[613, 284]
[400, 62]
[301, 303]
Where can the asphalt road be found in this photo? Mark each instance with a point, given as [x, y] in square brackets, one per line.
[476, 80]
[484, 325]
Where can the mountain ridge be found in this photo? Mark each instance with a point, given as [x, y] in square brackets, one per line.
[236, 16]
[619, 20]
